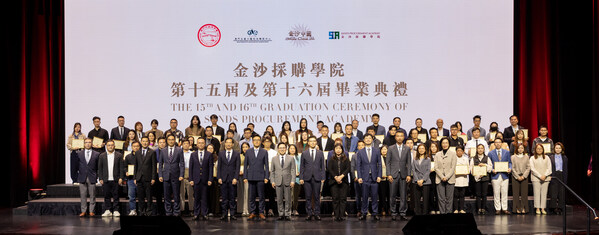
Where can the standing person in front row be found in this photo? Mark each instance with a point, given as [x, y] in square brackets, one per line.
[399, 169]
[172, 168]
[500, 180]
[338, 169]
[200, 177]
[461, 181]
[481, 181]
[369, 175]
[312, 175]
[445, 162]
[110, 175]
[129, 160]
[282, 179]
[559, 168]
[520, 172]
[256, 175]
[145, 173]
[86, 176]
[421, 168]
[228, 172]
[186, 188]
[540, 166]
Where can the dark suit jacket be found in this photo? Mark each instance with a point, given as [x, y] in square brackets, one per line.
[87, 170]
[312, 168]
[219, 131]
[215, 142]
[359, 134]
[363, 166]
[116, 135]
[330, 144]
[228, 170]
[444, 131]
[145, 166]
[116, 168]
[508, 133]
[333, 169]
[256, 167]
[399, 164]
[564, 166]
[200, 172]
[171, 168]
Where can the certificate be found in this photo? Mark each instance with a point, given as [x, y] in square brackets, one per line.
[479, 170]
[525, 133]
[472, 152]
[216, 136]
[126, 153]
[547, 147]
[334, 136]
[77, 144]
[492, 136]
[195, 138]
[350, 155]
[422, 137]
[118, 144]
[464, 138]
[291, 139]
[461, 170]
[325, 154]
[501, 166]
[274, 140]
[452, 148]
[380, 138]
[130, 169]
[432, 166]
[97, 141]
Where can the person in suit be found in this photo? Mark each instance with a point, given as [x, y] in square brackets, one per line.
[338, 168]
[397, 123]
[145, 173]
[120, 131]
[357, 187]
[282, 179]
[445, 163]
[228, 172]
[421, 168]
[87, 177]
[256, 175]
[200, 172]
[194, 128]
[500, 180]
[292, 151]
[324, 142]
[399, 170]
[559, 169]
[510, 132]
[110, 175]
[98, 132]
[350, 141]
[211, 140]
[378, 130]
[171, 168]
[216, 129]
[442, 132]
[158, 187]
[312, 175]
[368, 165]
[357, 133]
[186, 188]
[77, 134]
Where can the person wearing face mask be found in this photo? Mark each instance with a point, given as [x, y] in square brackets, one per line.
[493, 130]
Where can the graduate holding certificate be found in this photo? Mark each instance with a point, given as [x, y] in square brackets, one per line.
[501, 159]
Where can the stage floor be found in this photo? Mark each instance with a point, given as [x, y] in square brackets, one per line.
[490, 224]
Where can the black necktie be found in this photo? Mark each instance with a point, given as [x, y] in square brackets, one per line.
[170, 154]
[228, 156]
[282, 161]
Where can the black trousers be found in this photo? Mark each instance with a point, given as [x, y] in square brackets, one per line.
[433, 200]
[111, 191]
[158, 193]
[556, 191]
[339, 195]
[421, 207]
[144, 191]
[270, 193]
[214, 197]
[481, 194]
[384, 196]
[459, 194]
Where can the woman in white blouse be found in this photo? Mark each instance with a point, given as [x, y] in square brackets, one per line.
[540, 166]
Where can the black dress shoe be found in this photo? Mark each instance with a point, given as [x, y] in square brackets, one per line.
[224, 217]
[393, 218]
[287, 218]
[403, 218]
[376, 217]
[281, 218]
[203, 217]
[233, 217]
[309, 218]
[317, 217]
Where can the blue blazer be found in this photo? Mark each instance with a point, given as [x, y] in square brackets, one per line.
[256, 167]
[228, 170]
[312, 168]
[353, 146]
[200, 172]
[505, 157]
[363, 166]
[171, 168]
[88, 170]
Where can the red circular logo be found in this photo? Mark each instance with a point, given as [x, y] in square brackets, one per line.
[209, 35]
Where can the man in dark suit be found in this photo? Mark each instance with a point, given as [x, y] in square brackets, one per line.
[397, 123]
[399, 169]
[324, 142]
[200, 172]
[172, 168]
[216, 129]
[559, 169]
[227, 173]
[378, 129]
[369, 175]
[357, 133]
[510, 131]
[210, 138]
[119, 132]
[256, 175]
[87, 176]
[442, 132]
[111, 176]
[312, 175]
[145, 173]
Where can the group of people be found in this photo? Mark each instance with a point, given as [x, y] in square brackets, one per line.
[211, 167]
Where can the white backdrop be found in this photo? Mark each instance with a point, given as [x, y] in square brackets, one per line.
[133, 58]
